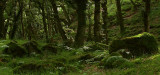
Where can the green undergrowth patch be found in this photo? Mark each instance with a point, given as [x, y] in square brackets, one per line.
[144, 65]
[71, 61]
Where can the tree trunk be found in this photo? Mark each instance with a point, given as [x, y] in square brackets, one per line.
[44, 21]
[105, 19]
[22, 25]
[66, 14]
[2, 6]
[80, 36]
[49, 24]
[97, 26]
[57, 19]
[89, 38]
[146, 15]
[134, 5]
[16, 18]
[29, 25]
[119, 17]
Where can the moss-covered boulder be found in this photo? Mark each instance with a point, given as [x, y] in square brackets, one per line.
[50, 48]
[14, 50]
[125, 53]
[115, 62]
[138, 45]
[32, 47]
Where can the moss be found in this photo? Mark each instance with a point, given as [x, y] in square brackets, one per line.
[125, 53]
[44, 66]
[99, 57]
[96, 46]
[62, 60]
[5, 58]
[31, 67]
[85, 57]
[50, 48]
[138, 45]
[14, 50]
[114, 61]
[115, 54]
[31, 47]
[82, 58]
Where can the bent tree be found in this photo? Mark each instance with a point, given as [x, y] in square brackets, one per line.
[58, 22]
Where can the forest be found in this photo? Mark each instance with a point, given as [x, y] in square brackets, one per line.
[79, 37]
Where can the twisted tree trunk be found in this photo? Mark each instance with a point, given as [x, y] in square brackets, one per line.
[58, 22]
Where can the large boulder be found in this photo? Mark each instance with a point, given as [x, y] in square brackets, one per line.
[14, 50]
[32, 47]
[138, 45]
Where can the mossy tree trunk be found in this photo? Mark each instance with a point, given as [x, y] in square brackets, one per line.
[2, 7]
[22, 24]
[58, 22]
[111, 1]
[29, 25]
[120, 17]
[105, 19]
[89, 38]
[44, 21]
[41, 5]
[146, 15]
[49, 23]
[134, 5]
[8, 23]
[66, 14]
[80, 36]
[16, 18]
[97, 26]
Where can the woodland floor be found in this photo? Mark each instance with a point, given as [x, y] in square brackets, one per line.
[72, 62]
